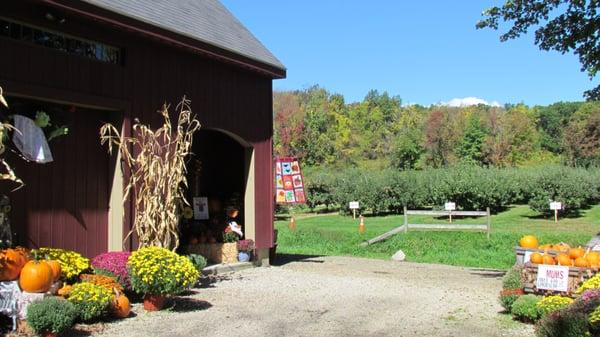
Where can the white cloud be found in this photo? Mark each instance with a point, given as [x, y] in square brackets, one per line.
[468, 101]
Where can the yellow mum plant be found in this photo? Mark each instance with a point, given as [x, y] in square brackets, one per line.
[71, 263]
[159, 271]
[551, 304]
[91, 300]
[592, 283]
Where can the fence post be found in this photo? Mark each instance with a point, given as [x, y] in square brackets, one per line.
[405, 220]
[489, 222]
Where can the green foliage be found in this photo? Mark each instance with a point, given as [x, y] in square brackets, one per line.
[471, 148]
[575, 188]
[51, 314]
[525, 308]
[92, 301]
[507, 299]
[229, 237]
[513, 279]
[407, 150]
[561, 25]
[198, 261]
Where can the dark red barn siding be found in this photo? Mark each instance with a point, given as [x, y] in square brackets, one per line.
[224, 96]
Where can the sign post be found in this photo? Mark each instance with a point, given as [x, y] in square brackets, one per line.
[450, 206]
[354, 206]
[555, 206]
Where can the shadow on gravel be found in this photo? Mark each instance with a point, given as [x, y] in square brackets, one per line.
[283, 259]
[186, 304]
[487, 273]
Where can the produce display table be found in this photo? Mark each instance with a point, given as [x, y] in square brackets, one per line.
[576, 277]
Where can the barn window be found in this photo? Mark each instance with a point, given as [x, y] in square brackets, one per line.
[65, 43]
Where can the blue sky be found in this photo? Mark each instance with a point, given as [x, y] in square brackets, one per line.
[425, 52]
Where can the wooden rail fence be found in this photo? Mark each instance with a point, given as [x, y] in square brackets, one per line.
[443, 227]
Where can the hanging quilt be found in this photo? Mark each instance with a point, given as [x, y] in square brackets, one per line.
[289, 182]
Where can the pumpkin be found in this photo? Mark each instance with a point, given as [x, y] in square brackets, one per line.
[582, 262]
[562, 247]
[121, 306]
[594, 259]
[547, 246]
[528, 241]
[564, 260]
[65, 290]
[55, 266]
[36, 277]
[536, 258]
[11, 264]
[574, 253]
[548, 259]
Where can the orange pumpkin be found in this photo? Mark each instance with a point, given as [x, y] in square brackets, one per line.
[582, 262]
[536, 258]
[574, 253]
[564, 260]
[594, 259]
[547, 246]
[11, 264]
[121, 306]
[562, 247]
[548, 259]
[65, 290]
[36, 277]
[528, 241]
[55, 266]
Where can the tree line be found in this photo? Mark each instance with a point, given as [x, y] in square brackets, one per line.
[379, 132]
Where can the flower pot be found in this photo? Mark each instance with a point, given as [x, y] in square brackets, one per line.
[244, 256]
[49, 334]
[154, 302]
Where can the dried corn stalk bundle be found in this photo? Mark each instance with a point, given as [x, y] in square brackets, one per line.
[158, 173]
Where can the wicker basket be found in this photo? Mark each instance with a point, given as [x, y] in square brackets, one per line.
[216, 252]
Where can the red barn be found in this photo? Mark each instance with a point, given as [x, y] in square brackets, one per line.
[92, 61]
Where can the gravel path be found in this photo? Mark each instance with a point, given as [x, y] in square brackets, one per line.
[335, 296]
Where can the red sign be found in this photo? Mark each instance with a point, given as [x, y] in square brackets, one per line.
[289, 182]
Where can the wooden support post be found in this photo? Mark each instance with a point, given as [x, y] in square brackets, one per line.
[555, 216]
[450, 214]
[405, 220]
[489, 222]
[354, 213]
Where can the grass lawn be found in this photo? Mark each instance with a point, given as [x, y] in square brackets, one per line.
[338, 235]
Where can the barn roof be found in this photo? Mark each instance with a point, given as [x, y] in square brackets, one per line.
[207, 21]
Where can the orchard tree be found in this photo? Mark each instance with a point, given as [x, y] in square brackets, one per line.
[561, 25]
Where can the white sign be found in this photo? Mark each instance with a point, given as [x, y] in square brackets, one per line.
[555, 205]
[527, 256]
[552, 278]
[200, 208]
[354, 205]
[450, 206]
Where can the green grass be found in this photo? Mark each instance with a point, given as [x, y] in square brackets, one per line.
[338, 235]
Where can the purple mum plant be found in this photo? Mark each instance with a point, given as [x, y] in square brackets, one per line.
[590, 294]
[113, 264]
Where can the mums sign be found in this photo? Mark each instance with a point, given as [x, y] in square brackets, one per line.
[552, 278]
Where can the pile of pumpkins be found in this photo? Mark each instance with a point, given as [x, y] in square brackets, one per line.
[566, 256]
[35, 276]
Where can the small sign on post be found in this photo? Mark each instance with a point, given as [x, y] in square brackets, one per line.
[450, 206]
[555, 206]
[552, 278]
[354, 206]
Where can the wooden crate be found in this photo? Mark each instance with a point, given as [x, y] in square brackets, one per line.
[520, 253]
[576, 277]
[216, 252]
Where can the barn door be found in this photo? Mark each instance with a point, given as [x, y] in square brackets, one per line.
[64, 204]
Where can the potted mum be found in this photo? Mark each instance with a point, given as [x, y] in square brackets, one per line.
[51, 316]
[157, 273]
[245, 249]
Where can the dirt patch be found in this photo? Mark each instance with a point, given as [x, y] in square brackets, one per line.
[335, 296]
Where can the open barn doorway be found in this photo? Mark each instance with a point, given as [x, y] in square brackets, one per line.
[220, 191]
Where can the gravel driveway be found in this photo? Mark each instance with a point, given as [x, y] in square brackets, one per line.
[335, 296]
